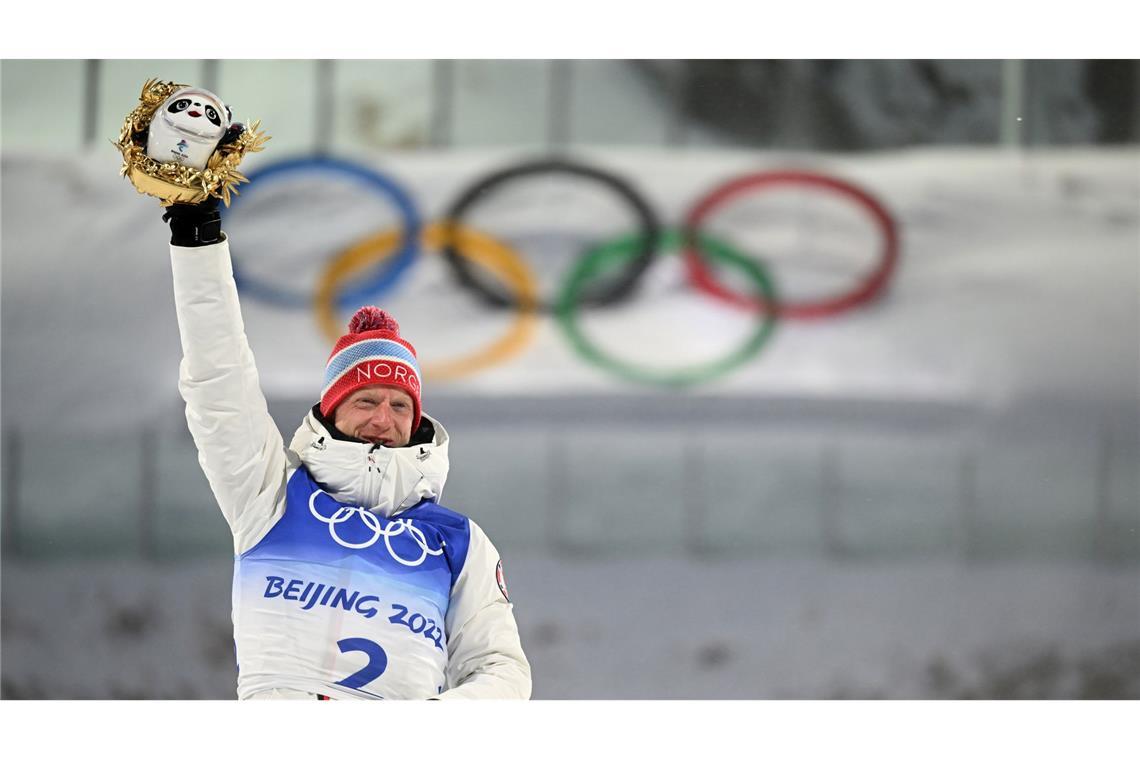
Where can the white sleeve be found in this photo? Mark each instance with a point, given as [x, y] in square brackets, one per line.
[485, 656]
[239, 446]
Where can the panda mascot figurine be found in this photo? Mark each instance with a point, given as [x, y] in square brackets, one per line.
[188, 127]
[181, 144]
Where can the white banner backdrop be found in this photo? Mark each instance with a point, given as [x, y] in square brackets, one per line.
[1017, 279]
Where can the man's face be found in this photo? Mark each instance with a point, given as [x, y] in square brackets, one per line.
[378, 414]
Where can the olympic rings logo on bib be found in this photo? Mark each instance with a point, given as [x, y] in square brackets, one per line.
[372, 522]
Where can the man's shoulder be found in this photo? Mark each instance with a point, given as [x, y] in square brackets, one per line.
[454, 529]
[437, 514]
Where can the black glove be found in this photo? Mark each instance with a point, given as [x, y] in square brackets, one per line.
[194, 224]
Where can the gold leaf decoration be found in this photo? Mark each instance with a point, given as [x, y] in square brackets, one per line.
[173, 182]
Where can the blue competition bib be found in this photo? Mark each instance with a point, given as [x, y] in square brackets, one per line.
[337, 598]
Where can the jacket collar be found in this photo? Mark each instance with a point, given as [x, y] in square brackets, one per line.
[383, 480]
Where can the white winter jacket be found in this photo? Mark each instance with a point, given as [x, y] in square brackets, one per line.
[345, 564]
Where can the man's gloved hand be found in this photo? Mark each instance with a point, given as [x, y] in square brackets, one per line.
[194, 224]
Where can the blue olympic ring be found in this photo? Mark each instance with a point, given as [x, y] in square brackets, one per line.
[363, 290]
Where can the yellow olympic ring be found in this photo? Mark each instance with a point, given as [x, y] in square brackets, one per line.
[481, 249]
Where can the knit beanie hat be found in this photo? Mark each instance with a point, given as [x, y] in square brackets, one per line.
[372, 353]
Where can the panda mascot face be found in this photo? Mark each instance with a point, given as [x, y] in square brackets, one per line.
[187, 128]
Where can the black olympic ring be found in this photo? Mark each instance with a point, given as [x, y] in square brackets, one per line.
[608, 292]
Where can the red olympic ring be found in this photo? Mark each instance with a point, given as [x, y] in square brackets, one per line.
[868, 288]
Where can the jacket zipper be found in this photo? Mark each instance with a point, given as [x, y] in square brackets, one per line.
[369, 491]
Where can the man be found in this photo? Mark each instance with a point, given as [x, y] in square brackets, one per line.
[350, 580]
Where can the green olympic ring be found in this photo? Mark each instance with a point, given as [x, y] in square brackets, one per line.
[597, 259]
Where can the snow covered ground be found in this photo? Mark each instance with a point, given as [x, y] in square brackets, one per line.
[639, 628]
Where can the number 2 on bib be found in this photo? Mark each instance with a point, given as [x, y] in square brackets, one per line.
[377, 661]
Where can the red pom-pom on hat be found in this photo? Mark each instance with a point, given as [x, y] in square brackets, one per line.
[372, 318]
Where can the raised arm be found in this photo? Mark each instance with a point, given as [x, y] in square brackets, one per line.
[239, 446]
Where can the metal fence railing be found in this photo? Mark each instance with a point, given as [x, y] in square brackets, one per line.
[742, 492]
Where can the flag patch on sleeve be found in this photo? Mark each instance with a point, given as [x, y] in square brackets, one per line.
[502, 581]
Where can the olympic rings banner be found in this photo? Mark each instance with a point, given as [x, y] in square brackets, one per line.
[506, 272]
[924, 276]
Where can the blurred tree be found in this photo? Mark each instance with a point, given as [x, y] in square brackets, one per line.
[875, 104]
[1113, 86]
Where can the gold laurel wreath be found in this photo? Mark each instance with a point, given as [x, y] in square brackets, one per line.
[173, 182]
